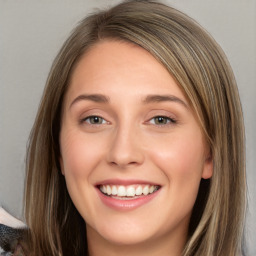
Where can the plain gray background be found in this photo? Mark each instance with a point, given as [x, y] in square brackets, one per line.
[31, 33]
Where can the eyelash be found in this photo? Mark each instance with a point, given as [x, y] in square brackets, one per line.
[168, 120]
[84, 120]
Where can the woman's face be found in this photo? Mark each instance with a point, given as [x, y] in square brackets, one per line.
[132, 151]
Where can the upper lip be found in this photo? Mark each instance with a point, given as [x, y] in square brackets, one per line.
[125, 182]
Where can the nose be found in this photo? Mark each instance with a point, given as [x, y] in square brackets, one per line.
[126, 149]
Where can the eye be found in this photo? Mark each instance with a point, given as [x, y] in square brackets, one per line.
[162, 120]
[94, 120]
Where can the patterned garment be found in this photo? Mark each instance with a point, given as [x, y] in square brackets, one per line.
[9, 240]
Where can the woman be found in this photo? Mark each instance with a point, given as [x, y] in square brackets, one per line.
[138, 145]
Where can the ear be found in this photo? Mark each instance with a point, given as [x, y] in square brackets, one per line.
[208, 167]
[61, 165]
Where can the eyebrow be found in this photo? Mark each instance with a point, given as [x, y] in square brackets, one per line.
[100, 98]
[163, 98]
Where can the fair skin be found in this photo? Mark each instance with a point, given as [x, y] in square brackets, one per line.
[127, 128]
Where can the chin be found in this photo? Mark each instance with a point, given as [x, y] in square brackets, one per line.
[125, 233]
[126, 238]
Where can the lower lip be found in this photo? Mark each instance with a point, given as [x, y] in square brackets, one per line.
[125, 205]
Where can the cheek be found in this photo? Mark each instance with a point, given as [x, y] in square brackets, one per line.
[181, 158]
[80, 154]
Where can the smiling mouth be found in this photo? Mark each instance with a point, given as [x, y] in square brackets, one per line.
[130, 192]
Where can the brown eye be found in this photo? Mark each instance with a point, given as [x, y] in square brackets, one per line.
[94, 120]
[162, 120]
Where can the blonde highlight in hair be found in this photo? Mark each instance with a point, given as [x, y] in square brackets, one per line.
[203, 73]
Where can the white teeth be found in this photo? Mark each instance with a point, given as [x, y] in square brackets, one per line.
[109, 190]
[104, 189]
[145, 190]
[114, 191]
[151, 189]
[129, 191]
[121, 191]
[138, 191]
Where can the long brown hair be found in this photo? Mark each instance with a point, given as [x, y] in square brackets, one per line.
[203, 73]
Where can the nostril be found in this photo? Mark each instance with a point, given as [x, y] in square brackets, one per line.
[124, 164]
[124, 150]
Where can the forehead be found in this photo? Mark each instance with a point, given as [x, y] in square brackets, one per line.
[120, 66]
